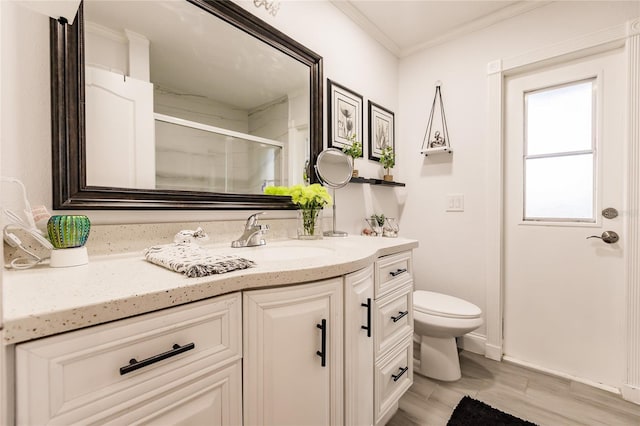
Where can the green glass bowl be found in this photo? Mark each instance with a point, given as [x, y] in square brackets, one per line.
[68, 231]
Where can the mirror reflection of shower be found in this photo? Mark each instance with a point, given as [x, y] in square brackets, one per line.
[334, 169]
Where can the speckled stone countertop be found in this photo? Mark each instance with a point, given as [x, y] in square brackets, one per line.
[44, 301]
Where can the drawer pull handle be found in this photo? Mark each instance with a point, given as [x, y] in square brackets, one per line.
[135, 364]
[396, 377]
[368, 326]
[398, 272]
[323, 352]
[400, 315]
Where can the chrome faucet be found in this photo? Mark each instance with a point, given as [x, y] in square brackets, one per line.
[253, 233]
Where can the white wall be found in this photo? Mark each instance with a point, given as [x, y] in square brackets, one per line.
[451, 258]
[350, 57]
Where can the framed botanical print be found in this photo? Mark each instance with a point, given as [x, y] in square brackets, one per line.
[381, 130]
[344, 115]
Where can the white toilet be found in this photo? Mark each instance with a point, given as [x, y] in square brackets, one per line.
[438, 319]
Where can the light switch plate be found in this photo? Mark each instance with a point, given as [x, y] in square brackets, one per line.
[455, 203]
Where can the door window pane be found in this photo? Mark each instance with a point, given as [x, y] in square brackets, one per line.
[560, 119]
[560, 154]
[559, 188]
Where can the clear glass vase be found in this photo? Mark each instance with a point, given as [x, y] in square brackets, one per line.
[309, 224]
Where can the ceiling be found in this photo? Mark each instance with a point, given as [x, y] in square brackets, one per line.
[407, 26]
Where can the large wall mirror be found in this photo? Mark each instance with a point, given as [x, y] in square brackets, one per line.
[180, 104]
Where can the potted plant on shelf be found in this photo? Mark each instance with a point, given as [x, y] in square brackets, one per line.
[388, 161]
[310, 200]
[354, 151]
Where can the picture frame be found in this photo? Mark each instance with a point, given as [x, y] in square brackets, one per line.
[381, 130]
[344, 115]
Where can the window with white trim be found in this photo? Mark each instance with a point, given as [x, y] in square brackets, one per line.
[560, 153]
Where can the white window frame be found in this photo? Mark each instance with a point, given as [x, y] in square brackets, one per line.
[595, 112]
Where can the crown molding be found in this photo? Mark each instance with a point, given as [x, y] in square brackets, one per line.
[374, 32]
[477, 25]
[369, 27]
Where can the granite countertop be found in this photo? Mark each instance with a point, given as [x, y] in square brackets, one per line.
[44, 301]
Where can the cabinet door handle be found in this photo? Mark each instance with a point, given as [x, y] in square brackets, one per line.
[323, 352]
[397, 272]
[135, 364]
[400, 315]
[368, 326]
[396, 377]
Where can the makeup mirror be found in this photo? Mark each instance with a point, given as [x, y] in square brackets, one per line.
[334, 170]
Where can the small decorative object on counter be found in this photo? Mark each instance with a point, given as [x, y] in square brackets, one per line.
[390, 228]
[68, 231]
[310, 200]
[388, 161]
[187, 236]
[68, 234]
[376, 223]
[354, 151]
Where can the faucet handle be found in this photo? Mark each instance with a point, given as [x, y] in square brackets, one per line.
[253, 220]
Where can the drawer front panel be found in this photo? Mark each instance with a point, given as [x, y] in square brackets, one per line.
[393, 318]
[392, 272]
[209, 398]
[74, 374]
[393, 376]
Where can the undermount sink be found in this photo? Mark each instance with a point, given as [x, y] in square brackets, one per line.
[272, 253]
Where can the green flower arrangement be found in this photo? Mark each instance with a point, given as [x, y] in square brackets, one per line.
[313, 196]
[309, 198]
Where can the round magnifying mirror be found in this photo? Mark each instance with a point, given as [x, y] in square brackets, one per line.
[334, 169]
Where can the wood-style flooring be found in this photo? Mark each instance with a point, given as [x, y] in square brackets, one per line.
[528, 394]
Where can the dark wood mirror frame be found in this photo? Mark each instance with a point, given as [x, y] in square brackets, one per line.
[68, 126]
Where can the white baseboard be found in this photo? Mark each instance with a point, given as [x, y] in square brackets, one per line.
[477, 343]
[472, 342]
[631, 393]
[588, 382]
[493, 352]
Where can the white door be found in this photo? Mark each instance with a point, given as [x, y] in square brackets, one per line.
[120, 130]
[289, 377]
[564, 163]
[358, 351]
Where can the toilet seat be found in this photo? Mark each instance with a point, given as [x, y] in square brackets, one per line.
[443, 305]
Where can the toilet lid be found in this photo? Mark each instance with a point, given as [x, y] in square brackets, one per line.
[443, 305]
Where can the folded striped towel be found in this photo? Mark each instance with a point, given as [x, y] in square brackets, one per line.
[194, 261]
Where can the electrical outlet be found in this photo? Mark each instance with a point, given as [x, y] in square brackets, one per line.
[455, 203]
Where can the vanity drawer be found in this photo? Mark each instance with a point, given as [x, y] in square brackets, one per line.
[392, 272]
[393, 376]
[72, 377]
[393, 318]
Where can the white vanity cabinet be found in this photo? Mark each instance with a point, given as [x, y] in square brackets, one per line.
[293, 354]
[393, 337]
[187, 370]
[358, 336]
[326, 352]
